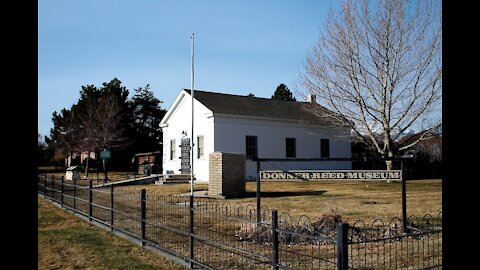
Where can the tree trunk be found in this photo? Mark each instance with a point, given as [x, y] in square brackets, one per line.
[389, 162]
[70, 159]
[86, 165]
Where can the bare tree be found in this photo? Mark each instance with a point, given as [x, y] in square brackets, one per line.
[110, 131]
[380, 68]
[88, 121]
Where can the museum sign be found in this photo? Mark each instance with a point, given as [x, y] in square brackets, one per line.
[392, 175]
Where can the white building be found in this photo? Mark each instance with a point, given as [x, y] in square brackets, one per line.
[256, 127]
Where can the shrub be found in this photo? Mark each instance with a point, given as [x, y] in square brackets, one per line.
[323, 227]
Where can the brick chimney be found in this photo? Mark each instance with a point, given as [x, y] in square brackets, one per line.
[311, 98]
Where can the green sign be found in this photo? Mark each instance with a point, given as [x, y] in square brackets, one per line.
[105, 154]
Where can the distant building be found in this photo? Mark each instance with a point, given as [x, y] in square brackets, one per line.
[255, 127]
[78, 155]
[149, 162]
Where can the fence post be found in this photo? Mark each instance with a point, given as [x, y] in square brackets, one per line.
[275, 239]
[44, 183]
[258, 194]
[45, 186]
[74, 193]
[143, 216]
[404, 198]
[61, 191]
[53, 187]
[52, 192]
[111, 207]
[342, 246]
[90, 200]
[190, 240]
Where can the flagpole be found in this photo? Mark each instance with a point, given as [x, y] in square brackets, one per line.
[192, 137]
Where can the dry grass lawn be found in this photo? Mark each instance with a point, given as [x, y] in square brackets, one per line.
[353, 200]
[67, 242]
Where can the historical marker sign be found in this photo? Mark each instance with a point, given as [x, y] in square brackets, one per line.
[313, 175]
[105, 154]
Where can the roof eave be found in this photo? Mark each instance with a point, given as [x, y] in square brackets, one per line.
[173, 107]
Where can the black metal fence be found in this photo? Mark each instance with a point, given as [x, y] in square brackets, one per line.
[205, 233]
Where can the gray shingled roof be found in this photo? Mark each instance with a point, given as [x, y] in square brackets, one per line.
[261, 107]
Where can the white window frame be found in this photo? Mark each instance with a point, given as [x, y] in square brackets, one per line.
[200, 147]
[173, 149]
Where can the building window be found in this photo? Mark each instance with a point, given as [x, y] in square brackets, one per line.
[324, 148]
[290, 148]
[251, 146]
[172, 149]
[199, 146]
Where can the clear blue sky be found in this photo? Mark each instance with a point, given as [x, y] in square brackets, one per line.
[241, 47]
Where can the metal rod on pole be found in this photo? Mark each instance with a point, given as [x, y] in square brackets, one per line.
[192, 137]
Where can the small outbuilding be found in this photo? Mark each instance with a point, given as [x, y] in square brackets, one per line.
[149, 163]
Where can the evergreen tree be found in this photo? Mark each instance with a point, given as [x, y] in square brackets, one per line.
[104, 118]
[64, 134]
[283, 93]
[147, 115]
